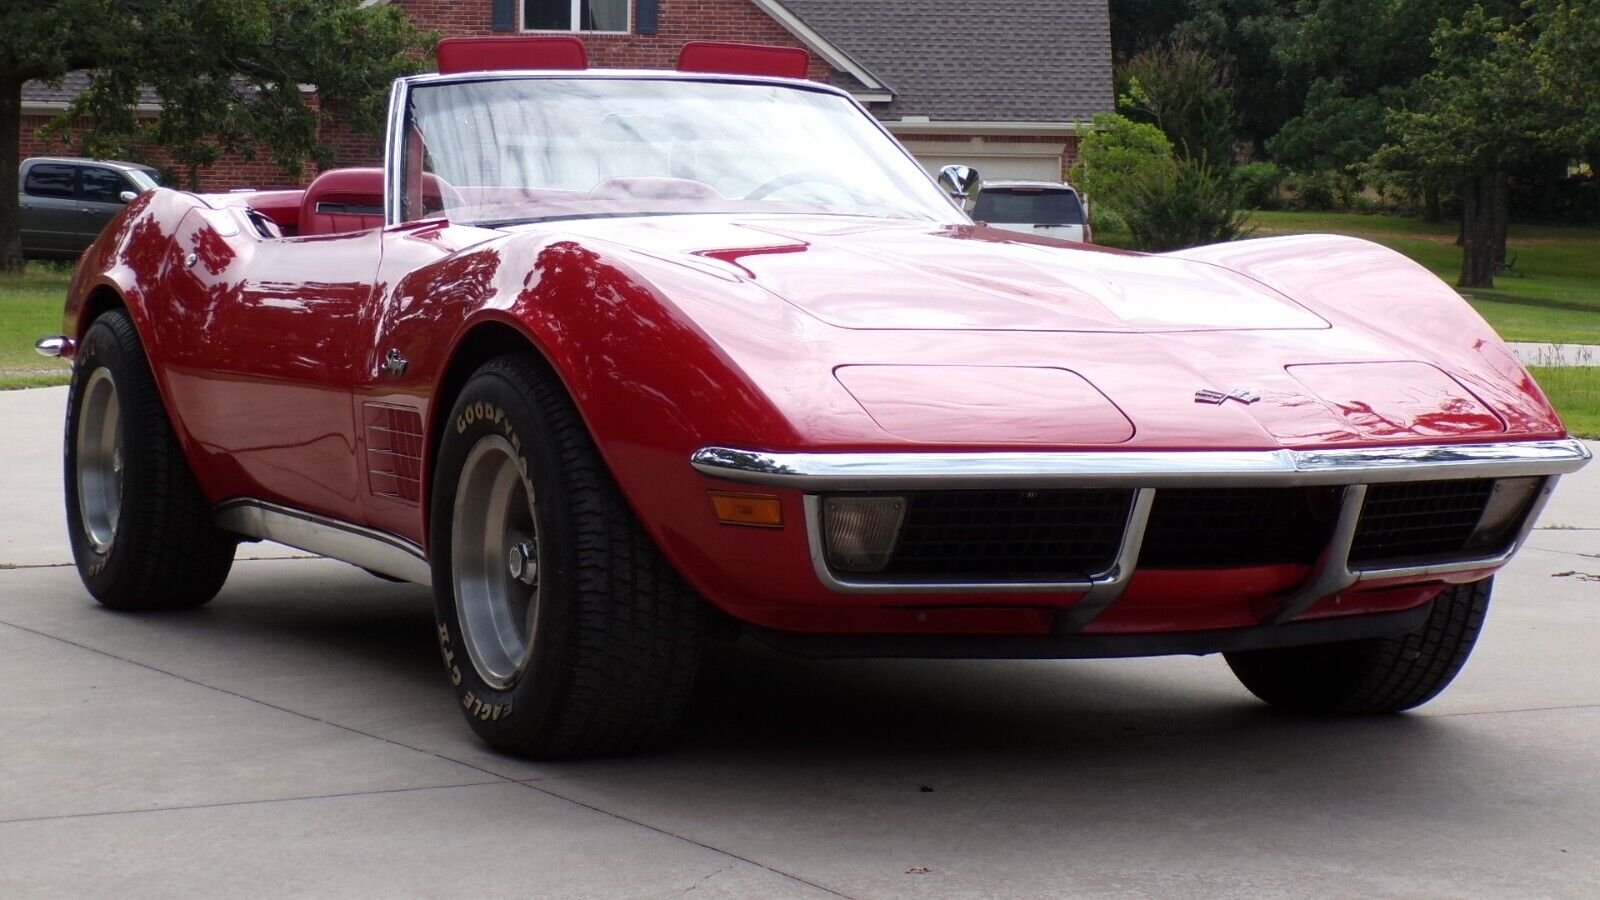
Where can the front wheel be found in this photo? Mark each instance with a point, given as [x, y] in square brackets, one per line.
[563, 630]
[141, 529]
[1374, 675]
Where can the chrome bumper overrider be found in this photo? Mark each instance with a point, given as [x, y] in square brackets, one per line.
[1146, 472]
[54, 345]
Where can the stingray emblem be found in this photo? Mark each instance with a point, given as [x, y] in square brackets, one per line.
[1217, 398]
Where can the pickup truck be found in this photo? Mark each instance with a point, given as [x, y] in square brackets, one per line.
[66, 201]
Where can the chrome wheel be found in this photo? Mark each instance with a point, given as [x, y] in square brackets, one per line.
[495, 562]
[100, 460]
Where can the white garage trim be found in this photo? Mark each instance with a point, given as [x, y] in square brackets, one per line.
[993, 160]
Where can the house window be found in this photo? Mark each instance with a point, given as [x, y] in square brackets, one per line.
[575, 15]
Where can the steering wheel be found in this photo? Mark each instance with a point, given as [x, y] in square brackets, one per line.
[800, 176]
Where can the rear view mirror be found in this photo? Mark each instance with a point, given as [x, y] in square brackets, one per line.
[127, 196]
[962, 184]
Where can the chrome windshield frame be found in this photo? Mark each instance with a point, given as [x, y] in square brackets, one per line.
[400, 94]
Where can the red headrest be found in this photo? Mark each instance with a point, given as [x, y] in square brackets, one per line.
[743, 59]
[531, 51]
[352, 200]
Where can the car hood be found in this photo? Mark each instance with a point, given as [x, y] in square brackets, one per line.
[869, 275]
[867, 333]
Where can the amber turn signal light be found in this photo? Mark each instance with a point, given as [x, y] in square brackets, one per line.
[761, 510]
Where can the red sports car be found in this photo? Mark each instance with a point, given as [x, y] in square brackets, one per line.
[621, 361]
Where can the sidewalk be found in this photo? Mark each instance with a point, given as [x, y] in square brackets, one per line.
[1532, 354]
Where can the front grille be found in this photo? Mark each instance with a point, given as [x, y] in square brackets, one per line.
[1192, 528]
[1041, 535]
[1417, 520]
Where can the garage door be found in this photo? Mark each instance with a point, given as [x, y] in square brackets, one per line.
[1034, 168]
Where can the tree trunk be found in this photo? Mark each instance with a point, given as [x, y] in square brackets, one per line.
[1502, 211]
[1430, 205]
[10, 142]
[1478, 231]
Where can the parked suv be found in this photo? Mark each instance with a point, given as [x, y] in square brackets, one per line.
[1049, 208]
[66, 201]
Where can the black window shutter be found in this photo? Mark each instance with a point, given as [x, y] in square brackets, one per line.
[646, 14]
[504, 16]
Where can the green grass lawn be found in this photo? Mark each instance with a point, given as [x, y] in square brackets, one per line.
[30, 308]
[1575, 391]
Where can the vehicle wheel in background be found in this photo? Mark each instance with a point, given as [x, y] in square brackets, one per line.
[1375, 675]
[141, 530]
[563, 630]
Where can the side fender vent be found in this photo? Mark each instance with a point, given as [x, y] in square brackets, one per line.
[394, 452]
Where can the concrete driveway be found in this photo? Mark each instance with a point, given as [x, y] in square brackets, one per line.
[296, 738]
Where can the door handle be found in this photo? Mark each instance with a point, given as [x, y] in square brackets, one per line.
[86, 210]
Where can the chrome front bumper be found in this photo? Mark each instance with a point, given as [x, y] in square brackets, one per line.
[1146, 472]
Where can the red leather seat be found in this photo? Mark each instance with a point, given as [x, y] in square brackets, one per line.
[343, 200]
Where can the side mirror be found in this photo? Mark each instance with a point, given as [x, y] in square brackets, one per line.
[962, 184]
[127, 196]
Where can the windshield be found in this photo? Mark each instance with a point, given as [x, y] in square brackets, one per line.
[1028, 206]
[531, 149]
[142, 179]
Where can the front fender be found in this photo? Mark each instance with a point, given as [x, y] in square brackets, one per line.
[1369, 288]
[650, 384]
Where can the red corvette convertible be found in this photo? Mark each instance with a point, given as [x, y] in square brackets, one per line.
[620, 361]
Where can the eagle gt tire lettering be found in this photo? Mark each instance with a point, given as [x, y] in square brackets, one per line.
[562, 629]
[141, 529]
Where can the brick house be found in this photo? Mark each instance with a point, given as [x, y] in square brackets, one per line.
[1002, 87]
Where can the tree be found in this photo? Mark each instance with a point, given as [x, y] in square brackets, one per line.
[1139, 25]
[1566, 60]
[1242, 35]
[1337, 130]
[1365, 45]
[1480, 111]
[1239, 34]
[1185, 92]
[227, 74]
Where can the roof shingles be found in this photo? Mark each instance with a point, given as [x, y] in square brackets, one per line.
[999, 61]
[75, 83]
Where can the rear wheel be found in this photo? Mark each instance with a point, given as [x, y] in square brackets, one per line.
[563, 630]
[141, 529]
[1375, 675]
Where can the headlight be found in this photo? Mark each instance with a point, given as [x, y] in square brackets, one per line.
[860, 532]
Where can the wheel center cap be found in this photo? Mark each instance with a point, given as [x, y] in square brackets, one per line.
[521, 561]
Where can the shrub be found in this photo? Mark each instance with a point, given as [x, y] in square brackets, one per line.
[1188, 205]
[1312, 191]
[1115, 156]
[1260, 185]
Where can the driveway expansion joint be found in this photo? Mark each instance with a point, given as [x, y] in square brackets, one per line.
[496, 776]
[225, 804]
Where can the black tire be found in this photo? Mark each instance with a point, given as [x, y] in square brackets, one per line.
[616, 634]
[161, 550]
[1376, 675]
